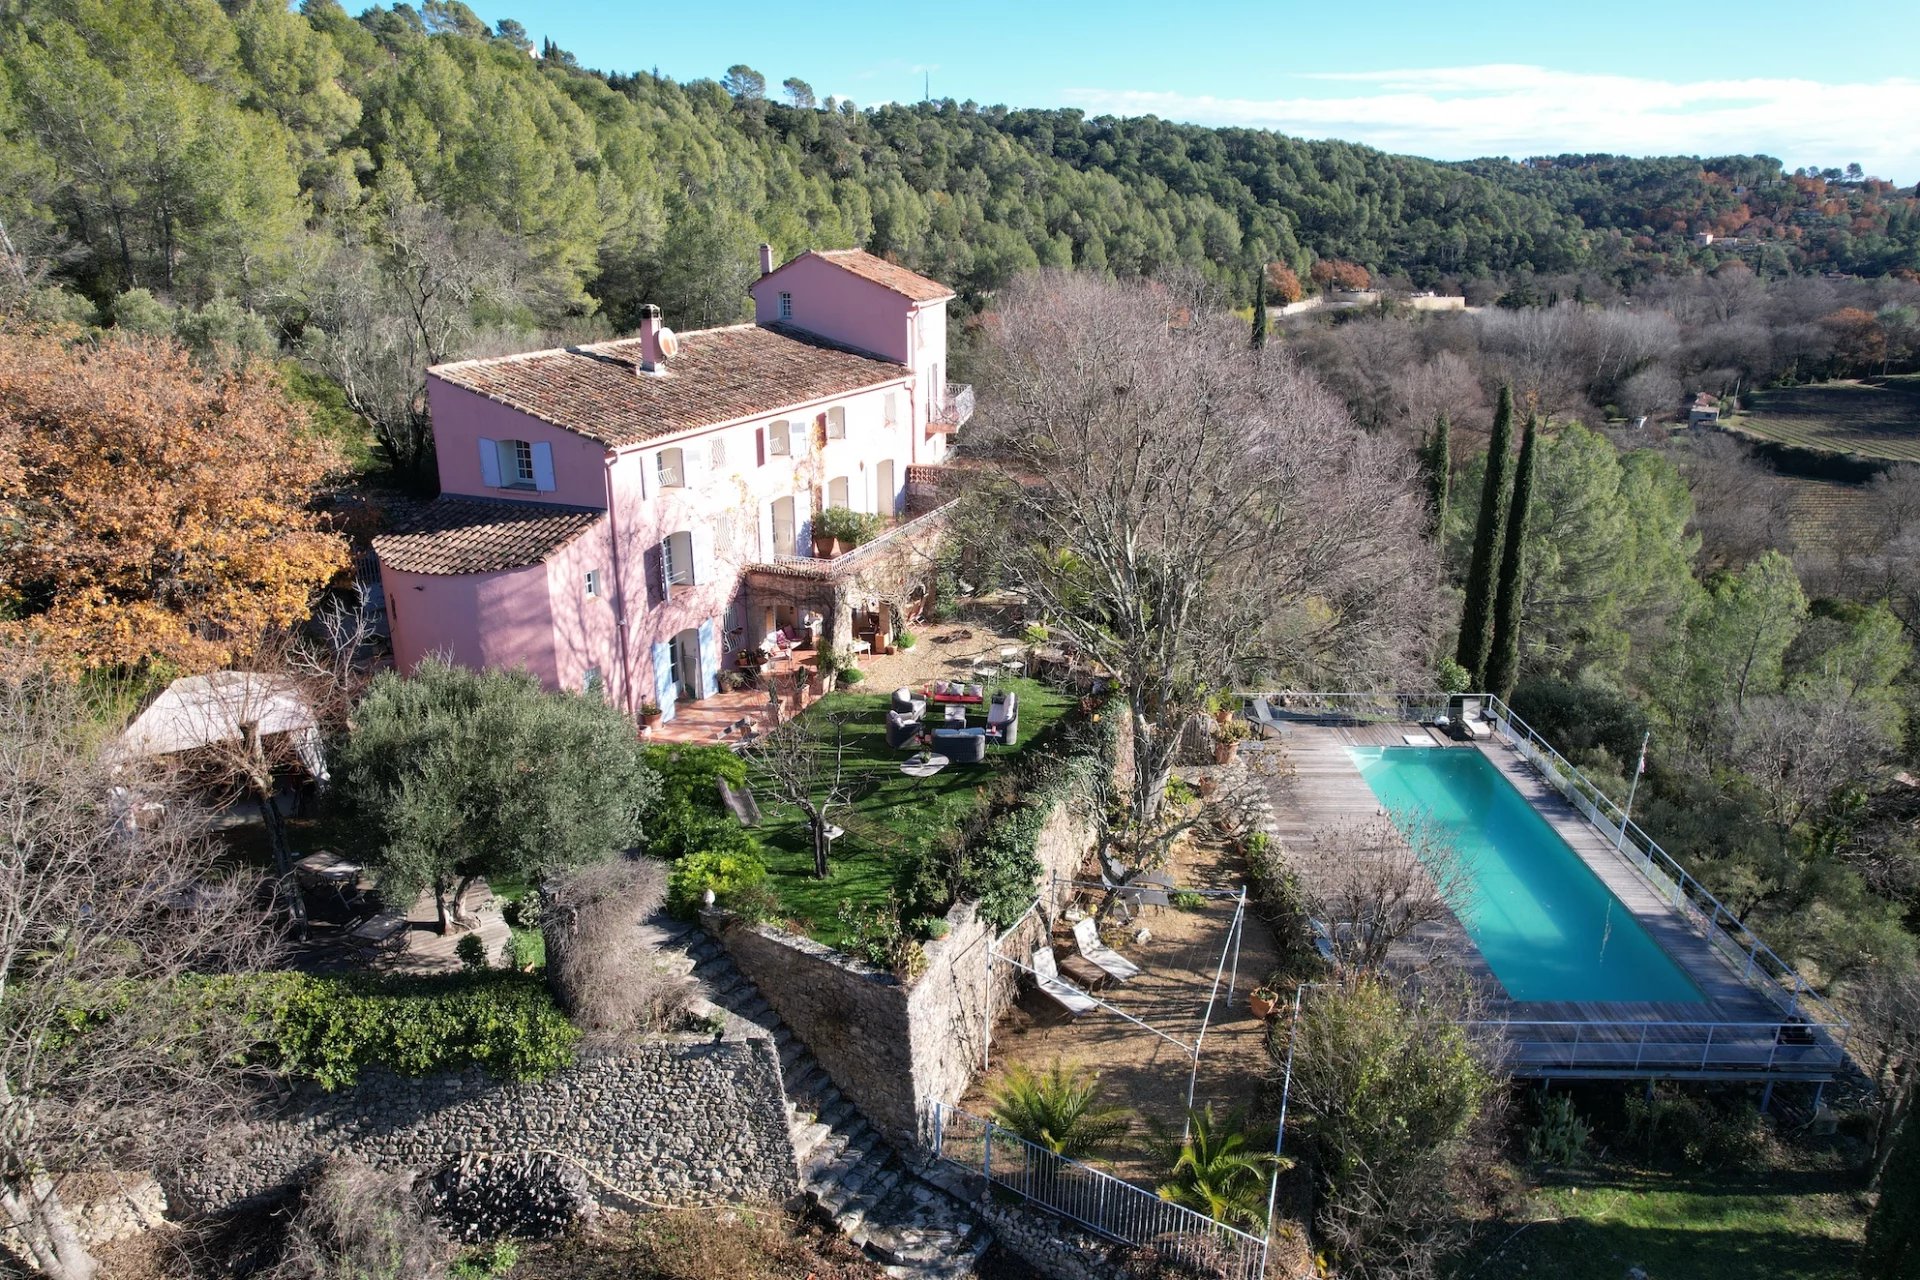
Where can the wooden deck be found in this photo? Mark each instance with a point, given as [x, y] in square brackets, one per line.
[1734, 1032]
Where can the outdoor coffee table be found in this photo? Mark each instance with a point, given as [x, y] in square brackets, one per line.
[924, 764]
[1088, 975]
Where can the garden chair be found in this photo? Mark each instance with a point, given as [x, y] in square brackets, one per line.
[740, 804]
[1086, 937]
[1260, 715]
[1056, 988]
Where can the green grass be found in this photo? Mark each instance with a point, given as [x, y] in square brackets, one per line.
[892, 814]
[1770, 1223]
[1871, 418]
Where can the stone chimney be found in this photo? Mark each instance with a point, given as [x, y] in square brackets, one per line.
[766, 259]
[650, 357]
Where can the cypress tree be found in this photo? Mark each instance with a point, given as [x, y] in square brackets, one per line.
[1503, 655]
[1260, 308]
[1476, 615]
[1438, 463]
[1892, 1250]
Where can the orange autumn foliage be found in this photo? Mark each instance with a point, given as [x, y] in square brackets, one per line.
[153, 509]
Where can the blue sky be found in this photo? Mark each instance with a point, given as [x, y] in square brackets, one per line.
[1820, 84]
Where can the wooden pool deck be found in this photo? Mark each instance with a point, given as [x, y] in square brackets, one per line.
[1742, 1028]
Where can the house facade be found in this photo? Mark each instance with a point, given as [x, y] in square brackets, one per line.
[624, 516]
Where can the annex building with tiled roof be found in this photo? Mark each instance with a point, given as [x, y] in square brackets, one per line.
[613, 515]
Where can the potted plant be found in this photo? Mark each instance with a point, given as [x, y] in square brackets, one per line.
[820, 677]
[1263, 1001]
[1226, 740]
[649, 714]
[838, 530]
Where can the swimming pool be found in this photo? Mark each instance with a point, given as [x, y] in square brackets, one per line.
[1544, 922]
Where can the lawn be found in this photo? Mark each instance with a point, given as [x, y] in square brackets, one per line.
[1871, 418]
[1767, 1223]
[892, 814]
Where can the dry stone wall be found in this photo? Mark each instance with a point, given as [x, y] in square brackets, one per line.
[675, 1120]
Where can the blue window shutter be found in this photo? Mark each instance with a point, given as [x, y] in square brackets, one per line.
[490, 463]
[709, 657]
[663, 690]
[543, 467]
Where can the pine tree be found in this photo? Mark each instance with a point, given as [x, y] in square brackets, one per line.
[1437, 461]
[1259, 308]
[1892, 1250]
[1503, 655]
[1475, 616]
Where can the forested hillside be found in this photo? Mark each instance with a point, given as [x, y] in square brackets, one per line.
[378, 193]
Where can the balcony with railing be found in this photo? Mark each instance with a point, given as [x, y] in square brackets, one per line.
[951, 409]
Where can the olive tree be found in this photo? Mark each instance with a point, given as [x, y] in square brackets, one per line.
[460, 774]
[1189, 513]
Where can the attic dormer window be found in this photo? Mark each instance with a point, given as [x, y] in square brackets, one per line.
[786, 306]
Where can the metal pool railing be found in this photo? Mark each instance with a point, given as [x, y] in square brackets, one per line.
[1713, 920]
[1099, 1202]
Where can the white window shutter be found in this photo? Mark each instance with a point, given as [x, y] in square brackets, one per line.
[490, 463]
[543, 467]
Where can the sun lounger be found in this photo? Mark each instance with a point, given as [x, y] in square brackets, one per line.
[1260, 716]
[1058, 989]
[740, 804]
[1473, 721]
[1086, 937]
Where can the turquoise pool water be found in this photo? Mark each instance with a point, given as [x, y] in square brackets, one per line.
[1545, 923]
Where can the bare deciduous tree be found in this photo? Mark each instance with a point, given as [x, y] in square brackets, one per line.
[110, 896]
[1188, 513]
[1375, 886]
[1886, 1005]
[804, 763]
[607, 978]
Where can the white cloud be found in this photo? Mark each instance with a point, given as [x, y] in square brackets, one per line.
[1455, 113]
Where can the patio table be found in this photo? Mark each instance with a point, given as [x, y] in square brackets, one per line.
[924, 765]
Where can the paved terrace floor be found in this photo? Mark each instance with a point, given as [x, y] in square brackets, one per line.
[1323, 788]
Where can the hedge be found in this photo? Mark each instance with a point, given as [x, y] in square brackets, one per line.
[328, 1029]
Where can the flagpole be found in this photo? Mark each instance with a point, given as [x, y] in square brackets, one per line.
[1626, 814]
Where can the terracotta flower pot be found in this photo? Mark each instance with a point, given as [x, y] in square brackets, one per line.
[1263, 1003]
[1224, 752]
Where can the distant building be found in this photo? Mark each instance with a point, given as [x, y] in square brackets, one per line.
[1704, 411]
[1702, 238]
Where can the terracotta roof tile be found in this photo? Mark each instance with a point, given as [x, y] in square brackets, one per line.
[718, 375]
[455, 534]
[889, 275]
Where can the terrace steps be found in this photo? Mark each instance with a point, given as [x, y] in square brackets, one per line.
[847, 1170]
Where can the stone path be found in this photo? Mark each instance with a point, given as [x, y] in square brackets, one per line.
[847, 1170]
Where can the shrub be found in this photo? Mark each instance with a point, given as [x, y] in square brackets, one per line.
[848, 526]
[906, 640]
[487, 1261]
[689, 814]
[1578, 717]
[612, 983]
[1001, 867]
[356, 1223]
[726, 873]
[1188, 900]
[472, 952]
[876, 936]
[330, 1028]
[1560, 1137]
[1057, 1109]
[851, 675]
[526, 949]
[1180, 793]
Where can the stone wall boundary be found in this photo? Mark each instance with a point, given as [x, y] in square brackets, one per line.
[674, 1120]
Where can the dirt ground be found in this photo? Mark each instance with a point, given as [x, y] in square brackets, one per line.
[1141, 1071]
[943, 651]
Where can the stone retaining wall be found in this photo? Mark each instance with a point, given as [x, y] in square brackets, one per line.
[676, 1120]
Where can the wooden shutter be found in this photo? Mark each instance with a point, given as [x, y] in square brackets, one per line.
[490, 463]
[759, 446]
[654, 569]
[543, 467]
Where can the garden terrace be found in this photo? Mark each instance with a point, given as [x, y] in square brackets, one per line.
[895, 819]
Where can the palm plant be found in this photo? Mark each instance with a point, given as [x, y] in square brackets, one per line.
[1057, 1109]
[1213, 1172]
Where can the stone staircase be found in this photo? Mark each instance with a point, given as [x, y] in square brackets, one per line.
[847, 1170]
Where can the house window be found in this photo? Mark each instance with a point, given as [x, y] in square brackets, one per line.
[786, 306]
[836, 424]
[777, 439]
[717, 452]
[593, 683]
[676, 560]
[893, 409]
[516, 463]
[593, 584]
[673, 471]
[837, 492]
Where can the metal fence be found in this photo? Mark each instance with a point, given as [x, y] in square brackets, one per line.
[1806, 1013]
[1099, 1202]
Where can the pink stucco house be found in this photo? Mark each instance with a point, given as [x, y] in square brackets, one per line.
[624, 516]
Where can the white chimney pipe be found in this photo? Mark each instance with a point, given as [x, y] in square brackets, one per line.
[649, 338]
[766, 259]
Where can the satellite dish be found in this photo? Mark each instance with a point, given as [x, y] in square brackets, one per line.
[669, 344]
